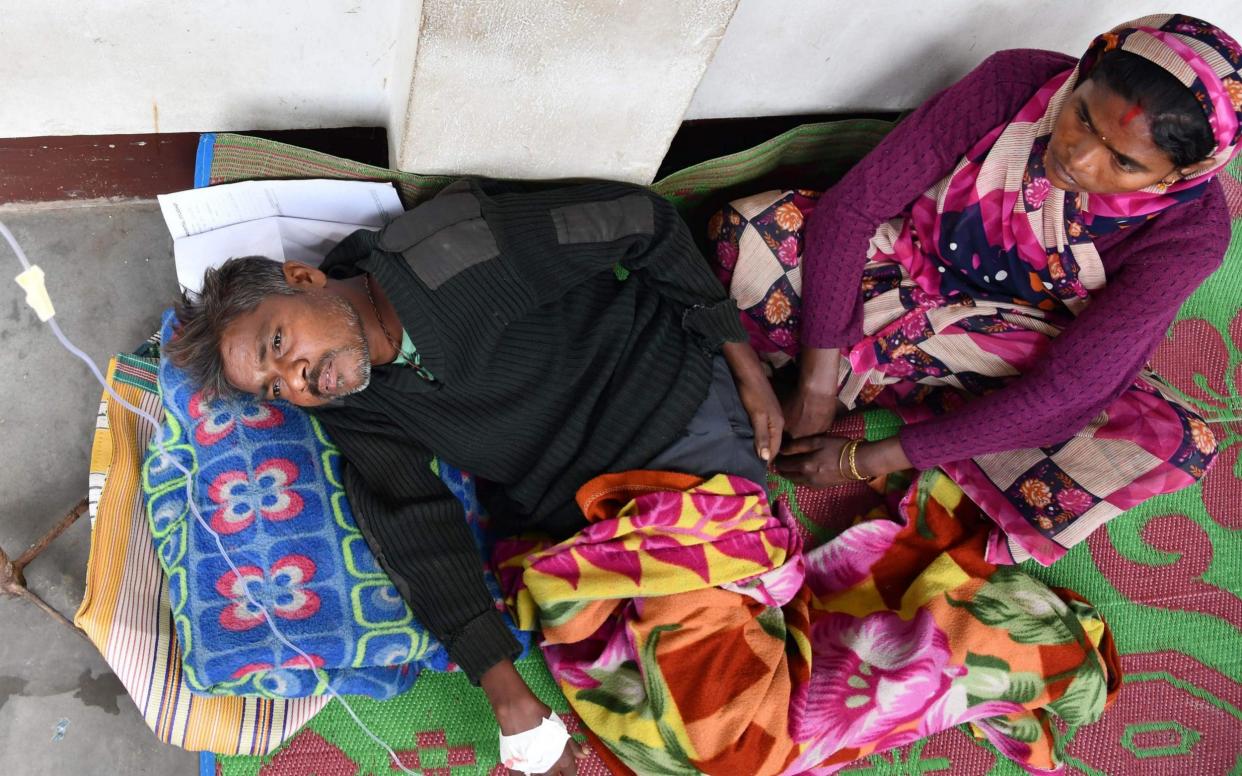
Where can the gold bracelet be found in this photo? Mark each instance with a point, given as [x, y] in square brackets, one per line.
[849, 452]
[854, 462]
[845, 451]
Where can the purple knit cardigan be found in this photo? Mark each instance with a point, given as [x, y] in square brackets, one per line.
[1151, 270]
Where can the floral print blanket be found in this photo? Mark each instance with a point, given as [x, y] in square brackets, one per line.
[268, 482]
[690, 633]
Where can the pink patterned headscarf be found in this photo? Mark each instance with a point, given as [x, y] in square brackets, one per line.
[996, 229]
[1204, 59]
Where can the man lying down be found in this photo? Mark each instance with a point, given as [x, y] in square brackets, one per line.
[538, 339]
[534, 340]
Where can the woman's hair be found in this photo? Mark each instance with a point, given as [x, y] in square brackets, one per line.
[1178, 124]
[229, 291]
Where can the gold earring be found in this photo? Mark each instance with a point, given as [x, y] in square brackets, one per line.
[1162, 187]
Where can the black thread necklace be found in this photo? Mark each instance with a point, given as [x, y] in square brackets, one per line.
[410, 360]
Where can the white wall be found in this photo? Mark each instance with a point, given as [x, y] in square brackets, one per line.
[554, 88]
[537, 88]
[401, 85]
[835, 56]
[70, 67]
[534, 88]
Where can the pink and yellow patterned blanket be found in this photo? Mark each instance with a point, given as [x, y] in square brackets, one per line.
[690, 634]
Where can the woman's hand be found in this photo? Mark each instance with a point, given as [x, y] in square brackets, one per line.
[755, 390]
[813, 461]
[812, 407]
[816, 461]
[808, 412]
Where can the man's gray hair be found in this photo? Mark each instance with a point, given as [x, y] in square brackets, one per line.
[229, 292]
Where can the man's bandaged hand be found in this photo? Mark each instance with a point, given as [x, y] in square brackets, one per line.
[536, 750]
[532, 727]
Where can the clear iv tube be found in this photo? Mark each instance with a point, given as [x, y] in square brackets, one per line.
[189, 495]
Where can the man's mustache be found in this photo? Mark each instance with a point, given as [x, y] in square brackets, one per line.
[315, 373]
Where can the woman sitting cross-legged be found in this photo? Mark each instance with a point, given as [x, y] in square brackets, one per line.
[998, 271]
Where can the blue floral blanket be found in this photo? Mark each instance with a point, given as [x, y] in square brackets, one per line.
[266, 478]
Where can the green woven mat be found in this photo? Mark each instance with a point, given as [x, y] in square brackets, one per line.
[442, 723]
[1168, 575]
[809, 155]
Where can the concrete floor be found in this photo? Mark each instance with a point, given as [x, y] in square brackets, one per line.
[110, 273]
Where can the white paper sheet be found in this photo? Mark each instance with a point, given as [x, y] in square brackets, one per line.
[299, 220]
[279, 238]
[351, 202]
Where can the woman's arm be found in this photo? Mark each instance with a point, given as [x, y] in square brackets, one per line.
[1091, 363]
[919, 151]
[1099, 354]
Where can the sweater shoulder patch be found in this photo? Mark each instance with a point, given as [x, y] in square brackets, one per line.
[601, 222]
[441, 238]
[414, 226]
[450, 251]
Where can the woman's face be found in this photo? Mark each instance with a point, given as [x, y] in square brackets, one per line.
[1102, 144]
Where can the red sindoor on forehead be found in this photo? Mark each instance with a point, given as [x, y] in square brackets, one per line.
[1135, 110]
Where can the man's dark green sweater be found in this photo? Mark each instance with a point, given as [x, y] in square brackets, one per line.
[550, 366]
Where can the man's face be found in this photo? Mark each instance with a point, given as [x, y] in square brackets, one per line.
[307, 348]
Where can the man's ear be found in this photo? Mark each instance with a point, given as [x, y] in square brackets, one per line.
[303, 276]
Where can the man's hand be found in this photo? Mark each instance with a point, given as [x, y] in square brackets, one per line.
[755, 390]
[518, 710]
[765, 415]
[812, 407]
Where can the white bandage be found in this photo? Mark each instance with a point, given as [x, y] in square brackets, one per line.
[535, 750]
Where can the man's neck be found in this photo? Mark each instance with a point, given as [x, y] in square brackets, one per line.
[355, 290]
